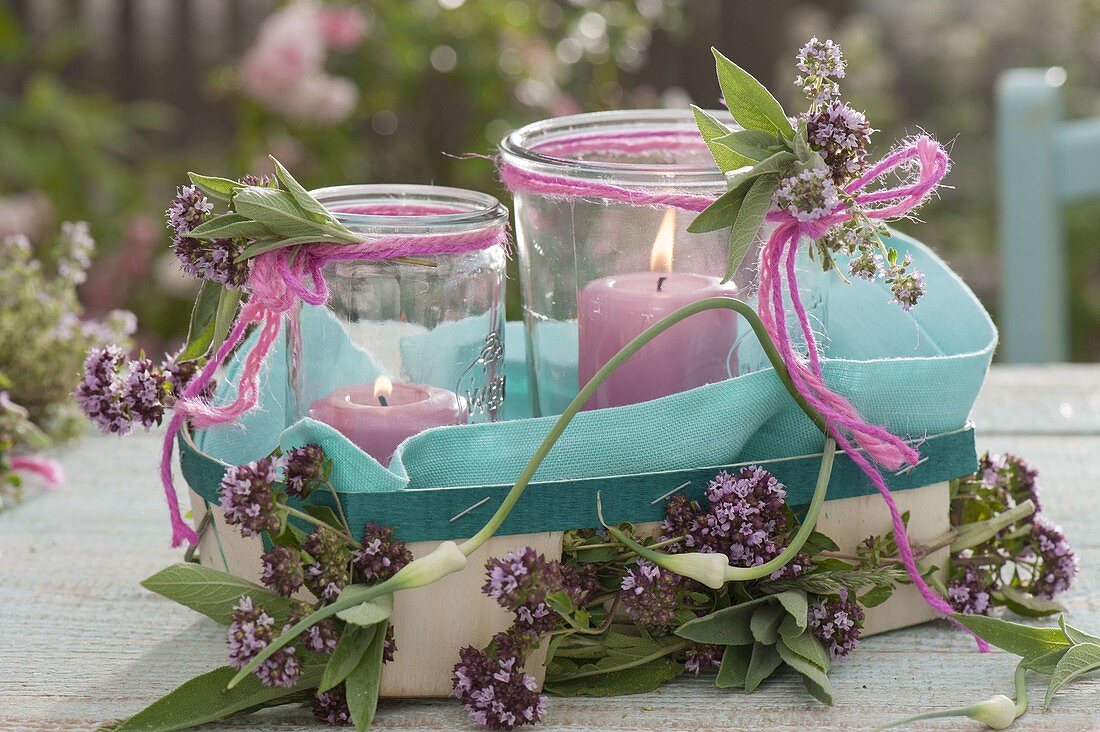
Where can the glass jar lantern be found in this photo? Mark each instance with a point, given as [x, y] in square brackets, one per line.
[402, 347]
[597, 270]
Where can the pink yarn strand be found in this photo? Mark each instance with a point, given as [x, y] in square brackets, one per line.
[844, 424]
[277, 283]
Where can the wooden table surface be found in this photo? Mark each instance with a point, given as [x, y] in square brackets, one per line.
[81, 643]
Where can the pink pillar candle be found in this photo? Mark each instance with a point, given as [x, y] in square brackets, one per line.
[697, 351]
[378, 429]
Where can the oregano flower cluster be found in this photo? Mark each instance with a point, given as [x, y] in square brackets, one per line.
[1026, 562]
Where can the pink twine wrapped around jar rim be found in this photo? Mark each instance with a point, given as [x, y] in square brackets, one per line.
[566, 149]
[277, 281]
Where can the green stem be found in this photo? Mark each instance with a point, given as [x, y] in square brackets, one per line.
[318, 522]
[339, 506]
[1021, 689]
[713, 303]
[471, 545]
[673, 648]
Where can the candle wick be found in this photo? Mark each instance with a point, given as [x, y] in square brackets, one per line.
[382, 401]
[661, 283]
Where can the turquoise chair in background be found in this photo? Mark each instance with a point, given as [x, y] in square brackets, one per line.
[1044, 162]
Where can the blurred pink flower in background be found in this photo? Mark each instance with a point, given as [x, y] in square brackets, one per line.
[285, 68]
[343, 27]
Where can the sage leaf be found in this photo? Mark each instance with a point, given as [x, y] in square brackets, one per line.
[371, 612]
[801, 144]
[1046, 663]
[636, 680]
[266, 246]
[765, 624]
[750, 103]
[228, 303]
[719, 215]
[301, 196]
[807, 646]
[765, 660]
[751, 145]
[819, 687]
[213, 593]
[1075, 635]
[876, 596]
[1078, 661]
[324, 514]
[220, 189]
[726, 627]
[750, 217]
[205, 699]
[230, 226]
[201, 330]
[362, 684]
[347, 654]
[276, 210]
[1028, 605]
[796, 605]
[979, 532]
[712, 130]
[777, 163]
[735, 667]
[1022, 640]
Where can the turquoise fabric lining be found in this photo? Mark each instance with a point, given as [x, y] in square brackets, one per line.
[917, 374]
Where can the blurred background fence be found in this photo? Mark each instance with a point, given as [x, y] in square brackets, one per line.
[104, 104]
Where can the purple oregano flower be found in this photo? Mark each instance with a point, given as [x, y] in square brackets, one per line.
[251, 630]
[248, 497]
[1057, 561]
[969, 592]
[328, 573]
[746, 519]
[282, 570]
[217, 260]
[302, 467]
[493, 687]
[521, 580]
[838, 623]
[650, 595]
[380, 555]
[332, 706]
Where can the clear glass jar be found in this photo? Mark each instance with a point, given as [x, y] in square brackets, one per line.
[594, 272]
[434, 330]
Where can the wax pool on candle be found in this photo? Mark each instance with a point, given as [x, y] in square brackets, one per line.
[409, 409]
[613, 310]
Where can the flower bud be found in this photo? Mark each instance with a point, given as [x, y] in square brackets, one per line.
[996, 712]
[445, 559]
[707, 568]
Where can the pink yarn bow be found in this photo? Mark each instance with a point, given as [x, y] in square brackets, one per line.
[277, 281]
[852, 433]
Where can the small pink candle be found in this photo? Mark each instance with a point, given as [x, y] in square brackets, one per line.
[378, 418]
[614, 310]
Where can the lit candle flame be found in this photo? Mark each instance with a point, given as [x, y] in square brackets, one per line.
[383, 387]
[660, 260]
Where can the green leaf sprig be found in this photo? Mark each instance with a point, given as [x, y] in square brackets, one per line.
[1064, 653]
[269, 217]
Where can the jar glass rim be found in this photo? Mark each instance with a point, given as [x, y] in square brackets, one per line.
[521, 148]
[469, 210]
